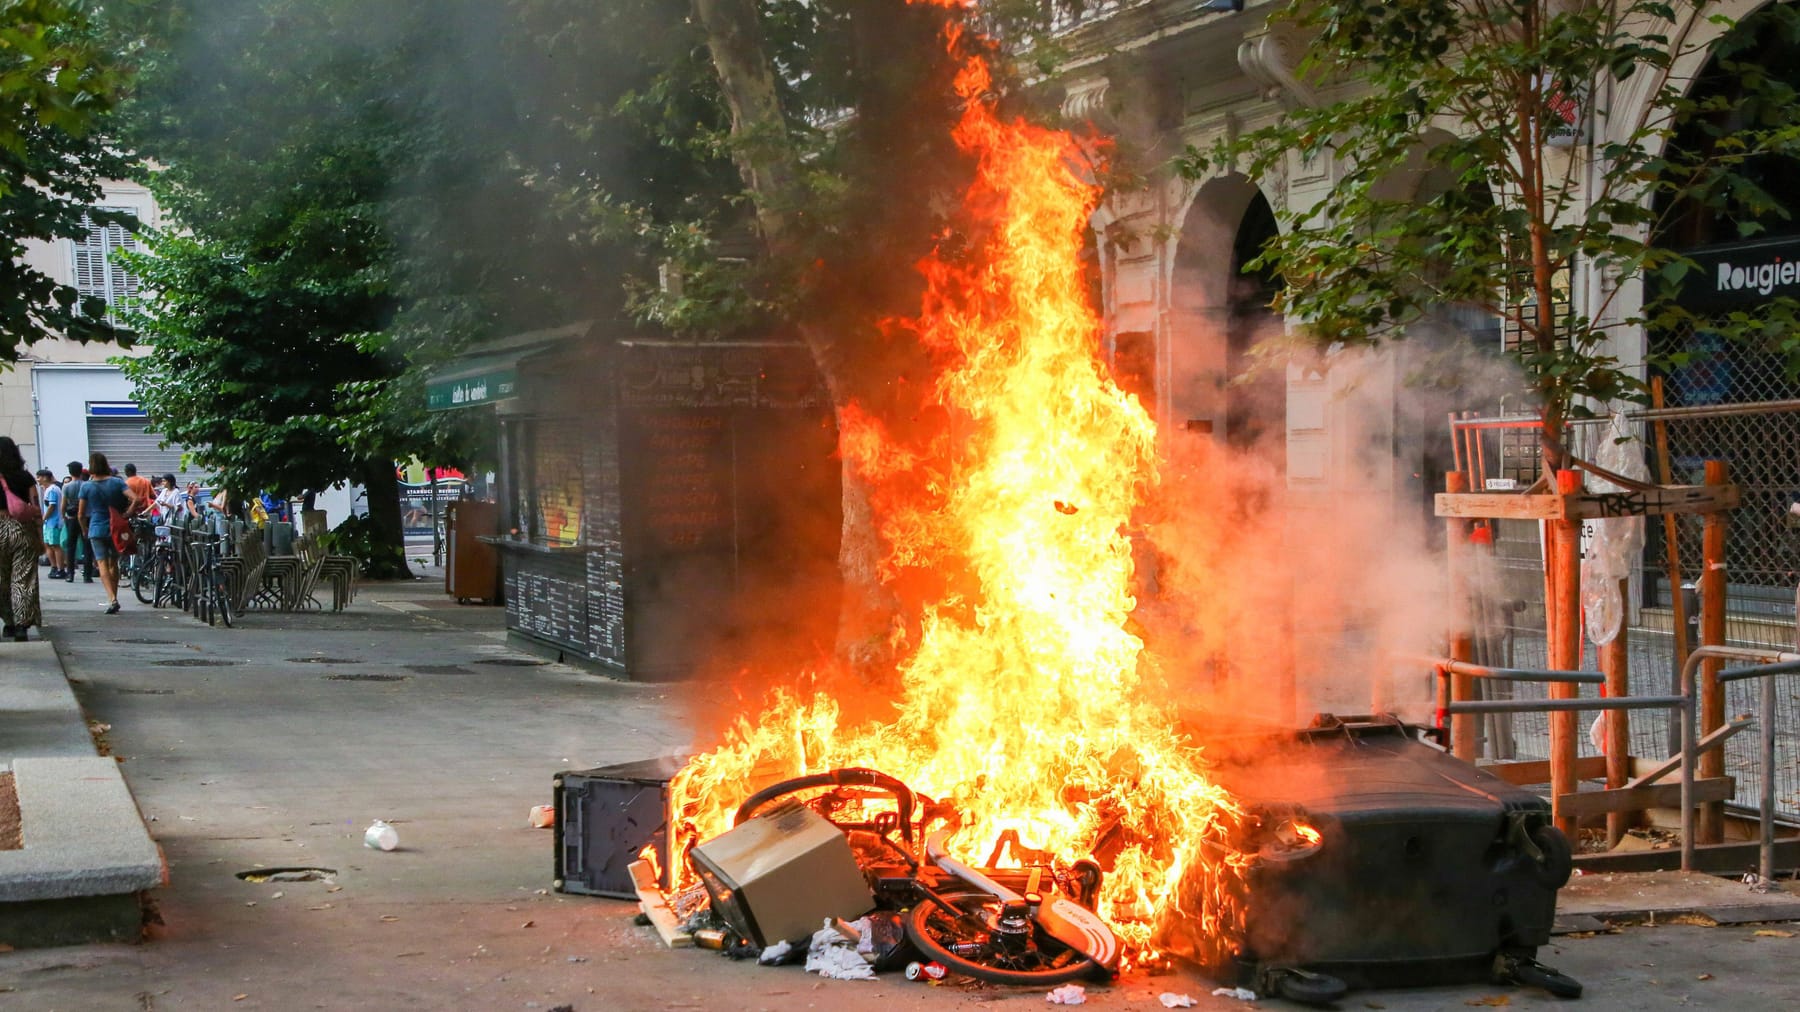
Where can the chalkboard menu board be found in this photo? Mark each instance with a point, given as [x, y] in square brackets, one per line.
[606, 550]
[679, 498]
[546, 596]
[679, 452]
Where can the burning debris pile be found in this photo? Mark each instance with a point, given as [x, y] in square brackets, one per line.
[1031, 810]
[1020, 706]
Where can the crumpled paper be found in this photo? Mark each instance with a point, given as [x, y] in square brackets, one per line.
[1170, 999]
[1068, 994]
[774, 954]
[831, 954]
[1240, 993]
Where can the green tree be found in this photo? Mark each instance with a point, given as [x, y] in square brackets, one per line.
[383, 212]
[1518, 201]
[58, 84]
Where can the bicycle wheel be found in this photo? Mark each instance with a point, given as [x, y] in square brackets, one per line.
[147, 581]
[983, 941]
[222, 602]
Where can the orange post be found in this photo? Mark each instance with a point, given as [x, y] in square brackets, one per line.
[1711, 828]
[1616, 664]
[1462, 640]
[1563, 617]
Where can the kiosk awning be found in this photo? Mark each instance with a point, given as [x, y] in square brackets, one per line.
[489, 372]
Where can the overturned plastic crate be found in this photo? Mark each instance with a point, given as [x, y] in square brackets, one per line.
[605, 817]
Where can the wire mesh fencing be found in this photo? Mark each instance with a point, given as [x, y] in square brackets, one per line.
[1760, 444]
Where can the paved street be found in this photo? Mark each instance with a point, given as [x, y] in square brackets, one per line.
[274, 744]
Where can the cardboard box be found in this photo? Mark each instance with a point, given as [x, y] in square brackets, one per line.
[779, 875]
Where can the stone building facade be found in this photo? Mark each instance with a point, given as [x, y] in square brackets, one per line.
[1161, 75]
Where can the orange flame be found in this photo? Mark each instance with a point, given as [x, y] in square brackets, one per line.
[1022, 701]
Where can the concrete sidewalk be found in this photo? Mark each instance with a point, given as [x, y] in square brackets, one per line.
[272, 745]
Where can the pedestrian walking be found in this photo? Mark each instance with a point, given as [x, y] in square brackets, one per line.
[75, 543]
[101, 494]
[50, 494]
[21, 533]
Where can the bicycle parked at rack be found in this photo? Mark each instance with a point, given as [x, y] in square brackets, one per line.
[209, 587]
[158, 578]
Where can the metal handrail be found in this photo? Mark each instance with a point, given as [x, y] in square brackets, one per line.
[1777, 662]
[1686, 703]
[1774, 662]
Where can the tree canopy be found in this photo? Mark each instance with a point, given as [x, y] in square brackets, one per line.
[359, 190]
[58, 82]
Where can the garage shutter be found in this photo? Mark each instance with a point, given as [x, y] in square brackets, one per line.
[124, 441]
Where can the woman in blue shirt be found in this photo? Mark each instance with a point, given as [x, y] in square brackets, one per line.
[102, 493]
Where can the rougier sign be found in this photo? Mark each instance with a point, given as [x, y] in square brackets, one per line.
[1742, 275]
[1763, 278]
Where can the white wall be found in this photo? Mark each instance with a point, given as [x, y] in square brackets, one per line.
[20, 394]
[62, 393]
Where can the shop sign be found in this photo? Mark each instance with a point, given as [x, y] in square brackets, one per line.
[467, 391]
[1741, 275]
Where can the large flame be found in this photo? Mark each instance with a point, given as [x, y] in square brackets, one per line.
[1021, 701]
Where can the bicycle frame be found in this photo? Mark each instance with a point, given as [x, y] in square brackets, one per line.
[1074, 926]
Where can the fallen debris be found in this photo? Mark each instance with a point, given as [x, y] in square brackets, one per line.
[1240, 993]
[1068, 994]
[833, 954]
[380, 836]
[656, 908]
[775, 954]
[1170, 999]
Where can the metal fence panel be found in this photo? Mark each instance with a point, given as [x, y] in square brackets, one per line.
[1760, 443]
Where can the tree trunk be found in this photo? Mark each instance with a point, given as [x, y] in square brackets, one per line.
[388, 539]
[769, 165]
[762, 151]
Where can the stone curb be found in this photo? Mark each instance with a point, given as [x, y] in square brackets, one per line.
[83, 834]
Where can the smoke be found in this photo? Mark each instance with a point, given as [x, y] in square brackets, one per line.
[463, 130]
[1282, 579]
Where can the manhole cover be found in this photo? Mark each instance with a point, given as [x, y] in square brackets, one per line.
[366, 678]
[195, 662]
[438, 669]
[512, 662]
[326, 660]
[146, 692]
[146, 641]
[287, 874]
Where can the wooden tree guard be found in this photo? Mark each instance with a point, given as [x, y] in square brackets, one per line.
[1563, 619]
[1661, 500]
[1615, 662]
[1711, 826]
[1565, 508]
[1462, 643]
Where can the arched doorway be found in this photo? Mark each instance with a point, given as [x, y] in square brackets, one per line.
[1256, 392]
[1219, 312]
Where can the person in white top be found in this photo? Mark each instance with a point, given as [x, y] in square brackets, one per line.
[168, 499]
